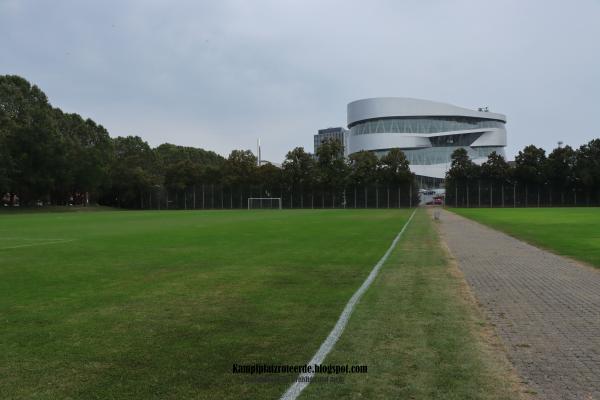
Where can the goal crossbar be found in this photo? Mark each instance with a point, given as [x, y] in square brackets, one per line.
[270, 201]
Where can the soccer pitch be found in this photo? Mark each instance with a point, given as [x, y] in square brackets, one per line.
[162, 304]
[573, 232]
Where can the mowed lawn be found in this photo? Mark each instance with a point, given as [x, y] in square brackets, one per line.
[419, 331]
[142, 305]
[574, 232]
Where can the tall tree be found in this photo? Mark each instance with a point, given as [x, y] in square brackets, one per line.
[134, 172]
[30, 134]
[270, 178]
[363, 167]
[462, 167]
[240, 167]
[560, 167]
[299, 168]
[495, 168]
[332, 168]
[395, 168]
[587, 165]
[530, 165]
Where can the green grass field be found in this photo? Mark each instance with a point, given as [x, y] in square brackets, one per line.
[573, 232]
[142, 305]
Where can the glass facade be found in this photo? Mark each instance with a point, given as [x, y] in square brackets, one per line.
[422, 125]
[441, 155]
[328, 134]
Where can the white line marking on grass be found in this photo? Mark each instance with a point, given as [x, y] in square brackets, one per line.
[304, 379]
[38, 244]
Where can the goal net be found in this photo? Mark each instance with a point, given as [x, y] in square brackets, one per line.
[264, 202]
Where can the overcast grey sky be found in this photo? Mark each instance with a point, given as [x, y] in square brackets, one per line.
[218, 74]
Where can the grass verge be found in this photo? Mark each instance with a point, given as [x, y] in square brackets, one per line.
[572, 232]
[419, 332]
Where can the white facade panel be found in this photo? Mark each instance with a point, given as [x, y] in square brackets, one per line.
[427, 131]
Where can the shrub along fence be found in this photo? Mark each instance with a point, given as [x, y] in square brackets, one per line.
[497, 194]
[215, 196]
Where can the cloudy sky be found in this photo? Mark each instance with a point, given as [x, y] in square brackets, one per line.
[219, 74]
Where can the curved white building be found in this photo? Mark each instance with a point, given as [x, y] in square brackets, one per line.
[427, 131]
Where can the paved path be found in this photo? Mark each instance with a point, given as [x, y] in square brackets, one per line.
[546, 308]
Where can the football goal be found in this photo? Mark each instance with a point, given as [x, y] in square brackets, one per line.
[264, 202]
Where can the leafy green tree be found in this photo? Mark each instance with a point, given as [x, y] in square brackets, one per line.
[587, 165]
[495, 168]
[363, 167]
[299, 168]
[395, 168]
[530, 165]
[560, 167]
[240, 168]
[462, 168]
[269, 177]
[170, 154]
[37, 157]
[332, 168]
[182, 175]
[135, 171]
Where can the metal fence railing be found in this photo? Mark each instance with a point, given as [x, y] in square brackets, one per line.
[497, 194]
[209, 196]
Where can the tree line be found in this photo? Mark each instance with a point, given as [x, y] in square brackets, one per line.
[563, 172]
[48, 156]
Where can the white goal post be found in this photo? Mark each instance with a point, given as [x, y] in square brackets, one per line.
[264, 202]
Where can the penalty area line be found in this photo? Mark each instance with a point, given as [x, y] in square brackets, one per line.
[304, 379]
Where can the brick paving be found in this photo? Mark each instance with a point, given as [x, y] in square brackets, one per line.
[545, 308]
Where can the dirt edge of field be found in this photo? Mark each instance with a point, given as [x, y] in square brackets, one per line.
[493, 349]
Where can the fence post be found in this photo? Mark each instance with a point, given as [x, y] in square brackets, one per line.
[399, 198]
[388, 197]
[455, 194]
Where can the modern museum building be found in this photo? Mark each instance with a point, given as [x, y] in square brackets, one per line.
[426, 131]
